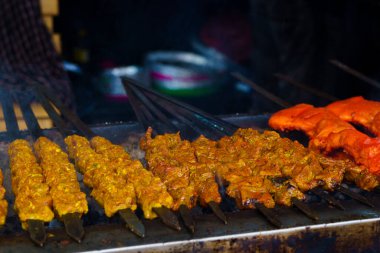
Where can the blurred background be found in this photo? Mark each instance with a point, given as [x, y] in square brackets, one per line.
[187, 49]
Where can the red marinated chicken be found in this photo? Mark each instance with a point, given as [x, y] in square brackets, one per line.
[359, 111]
[328, 133]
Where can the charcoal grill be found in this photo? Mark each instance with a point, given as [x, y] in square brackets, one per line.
[355, 229]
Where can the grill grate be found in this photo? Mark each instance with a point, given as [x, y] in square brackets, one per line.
[242, 232]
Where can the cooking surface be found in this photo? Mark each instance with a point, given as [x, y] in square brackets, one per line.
[356, 227]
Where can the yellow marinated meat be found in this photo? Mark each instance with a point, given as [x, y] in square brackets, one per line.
[171, 159]
[109, 190]
[32, 198]
[150, 191]
[61, 177]
[3, 202]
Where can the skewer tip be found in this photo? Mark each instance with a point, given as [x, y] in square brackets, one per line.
[218, 212]
[168, 217]
[269, 215]
[132, 222]
[305, 209]
[187, 218]
[36, 229]
[73, 226]
[354, 196]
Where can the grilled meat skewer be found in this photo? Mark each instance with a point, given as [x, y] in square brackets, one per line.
[60, 175]
[150, 191]
[3, 202]
[248, 181]
[109, 190]
[174, 161]
[33, 201]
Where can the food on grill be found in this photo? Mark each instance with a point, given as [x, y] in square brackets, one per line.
[245, 187]
[61, 177]
[328, 133]
[360, 111]
[150, 191]
[109, 190]
[287, 158]
[172, 160]
[3, 202]
[251, 161]
[32, 197]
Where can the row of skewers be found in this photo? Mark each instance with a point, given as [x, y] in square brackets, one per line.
[258, 171]
[252, 164]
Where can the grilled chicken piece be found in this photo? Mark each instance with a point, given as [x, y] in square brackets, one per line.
[291, 159]
[246, 188]
[3, 202]
[32, 198]
[109, 190]
[359, 111]
[150, 191]
[172, 160]
[328, 132]
[61, 177]
[249, 181]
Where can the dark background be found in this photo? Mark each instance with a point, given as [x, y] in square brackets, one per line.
[293, 37]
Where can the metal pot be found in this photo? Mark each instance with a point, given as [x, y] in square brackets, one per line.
[184, 73]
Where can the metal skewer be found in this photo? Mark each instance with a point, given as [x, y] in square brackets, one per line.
[73, 226]
[72, 221]
[168, 217]
[329, 199]
[129, 217]
[269, 215]
[217, 211]
[355, 73]
[304, 209]
[180, 111]
[354, 195]
[261, 90]
[133, 91]
[132, 222]
[36, 228]
[37, 233]
[187, 218]
[305, 87]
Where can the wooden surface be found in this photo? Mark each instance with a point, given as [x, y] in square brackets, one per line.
[42, 117]
[49, 7]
